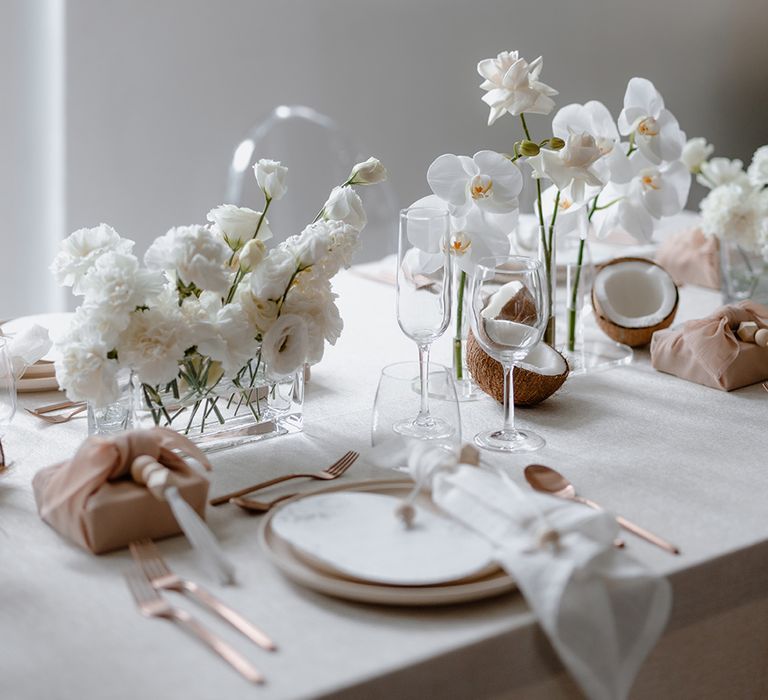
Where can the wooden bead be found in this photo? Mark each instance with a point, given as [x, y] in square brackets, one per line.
[761, 337]
[747, 331]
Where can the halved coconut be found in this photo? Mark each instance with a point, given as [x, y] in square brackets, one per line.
[539, 376]
[633, 298]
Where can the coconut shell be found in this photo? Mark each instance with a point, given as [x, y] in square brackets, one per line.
[520, 308]
[530, 388]
[634, 337]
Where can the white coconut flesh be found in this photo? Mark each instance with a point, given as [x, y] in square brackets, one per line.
[543, 360]
[635, 294]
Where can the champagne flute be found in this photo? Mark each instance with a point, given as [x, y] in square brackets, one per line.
[7, 394]
[508, 316]
[423, 302]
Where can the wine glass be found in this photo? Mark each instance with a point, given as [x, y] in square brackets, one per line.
[7, 394]
[423, 301]
[508, 316]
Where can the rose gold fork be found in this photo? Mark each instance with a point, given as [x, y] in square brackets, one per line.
[332, 472]
[148, 557]
[255, 506]
[152, 604]
[57, 419]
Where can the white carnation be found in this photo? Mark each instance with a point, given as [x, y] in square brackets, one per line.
[80, 251]
[695, 153]
[345, 205]
[239, 224]
[327, 246]
[271, 176]
[758, 168]
[153, 345]
[193, 255]
[85, 372]
[232, 342]
[735, 213]
[285, 346]
[722, 171]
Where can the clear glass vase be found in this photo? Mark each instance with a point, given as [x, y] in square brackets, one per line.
[114, 417]
[466, 389]
[547, 247]
[744, 274]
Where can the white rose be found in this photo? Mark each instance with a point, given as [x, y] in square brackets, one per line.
[252, 253]
[193, 255]
[271, 278]
[368, 172]
[695, 153]
[722, 171]
[79, 252]
[345, 205]
[758, 168]
[271, 176]
[284, 348]
[238, 224]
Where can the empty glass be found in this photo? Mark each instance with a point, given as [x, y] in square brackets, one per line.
[509, 314]
[423, 301]
[7, 395]
[396, 401]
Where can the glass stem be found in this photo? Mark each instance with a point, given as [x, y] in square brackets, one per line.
[424, 380]
[509, 399]
[458, 360]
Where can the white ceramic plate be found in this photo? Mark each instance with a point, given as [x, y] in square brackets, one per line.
[304, 571]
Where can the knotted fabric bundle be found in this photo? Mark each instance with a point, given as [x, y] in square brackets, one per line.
[691, 257]
[707, 351]
[91, 499]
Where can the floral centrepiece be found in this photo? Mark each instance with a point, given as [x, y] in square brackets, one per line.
[213, 321]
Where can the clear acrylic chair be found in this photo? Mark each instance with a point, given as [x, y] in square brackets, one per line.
[318, 156]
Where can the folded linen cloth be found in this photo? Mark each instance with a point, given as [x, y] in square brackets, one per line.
[91, 499]
[707, 350]
[26, 348]
[691, 257]
[602, 611]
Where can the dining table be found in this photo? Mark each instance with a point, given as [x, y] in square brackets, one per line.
[681, 459]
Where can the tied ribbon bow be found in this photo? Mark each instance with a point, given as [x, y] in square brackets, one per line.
[62, 490]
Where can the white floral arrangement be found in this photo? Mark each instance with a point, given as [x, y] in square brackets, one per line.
[208, 299]
[597, 178]
[736, 209]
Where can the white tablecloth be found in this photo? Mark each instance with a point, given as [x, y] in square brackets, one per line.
[684, 460]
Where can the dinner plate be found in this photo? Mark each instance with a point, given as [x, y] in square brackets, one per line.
[38, 370]
[315, 575]
[36, 384]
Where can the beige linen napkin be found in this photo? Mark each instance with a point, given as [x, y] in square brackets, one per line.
[691, 257]
[91, 500]
[707, 350]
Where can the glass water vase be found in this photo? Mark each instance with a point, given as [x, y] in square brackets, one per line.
[743, 273]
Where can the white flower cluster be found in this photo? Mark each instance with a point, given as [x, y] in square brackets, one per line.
[737, 207]
[207, 296]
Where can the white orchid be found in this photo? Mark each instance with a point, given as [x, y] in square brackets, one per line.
[512, 85]
[722, 171]
[758, 168]
[695, 153]
[488, 180]
[653, 192]
[344, 204]
[655, 130]
[571, 212]
[572, 166]
[191, 255]
[239, 224]
[271, 176]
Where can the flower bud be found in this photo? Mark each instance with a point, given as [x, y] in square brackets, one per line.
[556, 143]
[529, 148]
[369, 172]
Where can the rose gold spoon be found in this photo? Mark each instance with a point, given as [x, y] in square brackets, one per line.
[547, 480]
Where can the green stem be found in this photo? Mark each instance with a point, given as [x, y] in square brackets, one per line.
[457, 353]
[525, 127]
[575, 298]
[240, 274]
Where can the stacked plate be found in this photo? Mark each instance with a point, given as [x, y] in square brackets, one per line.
[347, 541]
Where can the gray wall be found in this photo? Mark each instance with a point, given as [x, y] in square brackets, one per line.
[158, 92]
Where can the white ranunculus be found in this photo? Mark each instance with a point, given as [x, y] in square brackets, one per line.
[232, 342]
[85, 372]
[572, 166]
[80, 250]
[736, 213]
[252, 253]
[192, 254]
[117, 285]
[512, 85]
[695, 153]
[656, 132]
[153, 345]
[239, 224]
[271, 176]
[758, 168]
[653, 192]
[345, 205]
[722, 171]
[271, 277]
[285, 345]
[488, 180]
[368, 172]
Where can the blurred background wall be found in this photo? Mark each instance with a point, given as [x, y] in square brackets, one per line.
[157, 93]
